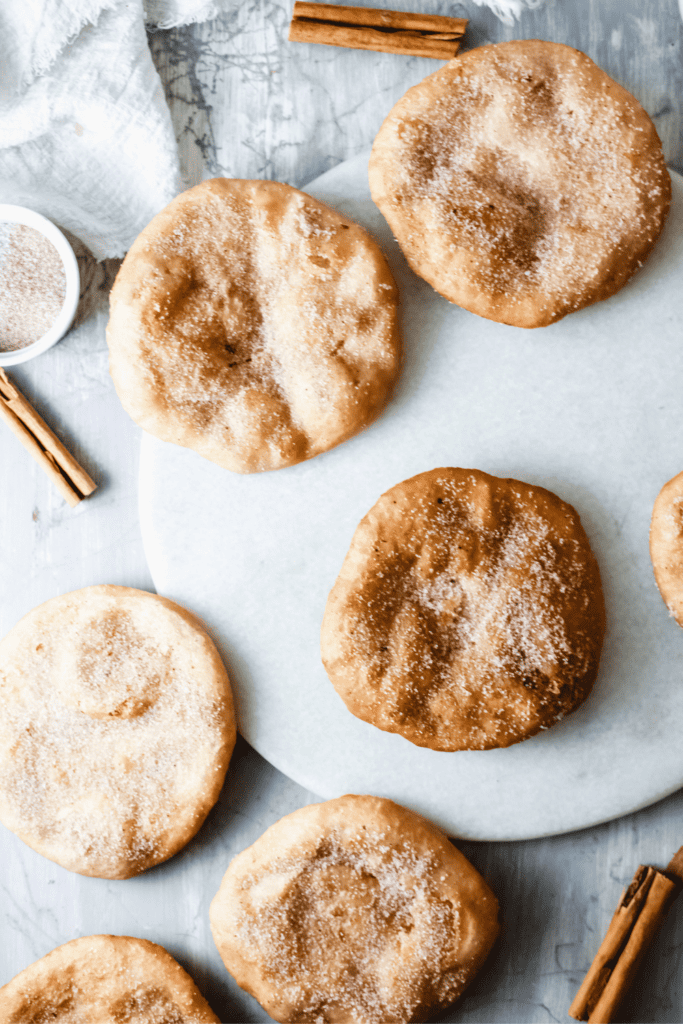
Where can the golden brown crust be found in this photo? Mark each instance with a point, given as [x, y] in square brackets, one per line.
[100, 979]
[253, 324]
[116, 732]
[521, 182]
[354, 910]
[666, 545]
[468, 613]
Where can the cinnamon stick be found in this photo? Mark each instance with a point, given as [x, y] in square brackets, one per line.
[68, 476]
[368, 28]
[641, 910]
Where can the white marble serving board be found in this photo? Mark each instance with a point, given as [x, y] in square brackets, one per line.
[591, 408]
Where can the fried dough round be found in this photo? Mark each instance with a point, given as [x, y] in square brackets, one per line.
[521, 182]
[354, 910]
[666, 545]
[468, 613]
[253, 324]
[101, 979]
[116, 730]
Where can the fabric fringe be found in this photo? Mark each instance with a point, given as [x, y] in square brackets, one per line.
[509, 10]
[164, 14]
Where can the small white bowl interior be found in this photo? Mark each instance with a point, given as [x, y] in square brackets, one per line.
[22, 215]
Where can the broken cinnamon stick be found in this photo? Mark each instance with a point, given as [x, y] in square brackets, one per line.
[641, 910]
[68, 476]
[368, 28]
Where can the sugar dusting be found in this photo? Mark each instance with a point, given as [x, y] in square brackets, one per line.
[472, 618]
[266, 329]
[666, 545]
[104, 977]
[525, 175]
[145, 1004]
[110, 739]
[358, 932]
[676, 516]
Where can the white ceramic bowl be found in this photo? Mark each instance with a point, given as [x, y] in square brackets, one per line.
[22, 215]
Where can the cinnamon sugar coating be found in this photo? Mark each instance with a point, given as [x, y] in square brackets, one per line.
[116, 730]
[666, 545]
[253, 324]
[468, 613]
[353, 911]
[521, 181]
[100, 979]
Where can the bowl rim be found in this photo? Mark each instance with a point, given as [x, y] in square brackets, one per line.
[23, 215]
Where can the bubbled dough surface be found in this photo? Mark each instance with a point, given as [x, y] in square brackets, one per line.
[521, 182]
[468, 613]
[116, 732]
[253, 324]
[666, 545]
[104, 979]
[353, 910]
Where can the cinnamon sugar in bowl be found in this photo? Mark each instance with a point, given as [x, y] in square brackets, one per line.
[39, 284]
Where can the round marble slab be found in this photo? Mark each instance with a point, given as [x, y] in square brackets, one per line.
[590, 408]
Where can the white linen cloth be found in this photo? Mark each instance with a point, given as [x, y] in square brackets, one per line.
[85, 134]
[168, 13]
[508, 10]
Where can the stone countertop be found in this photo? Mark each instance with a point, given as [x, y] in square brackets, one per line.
[246, 103]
